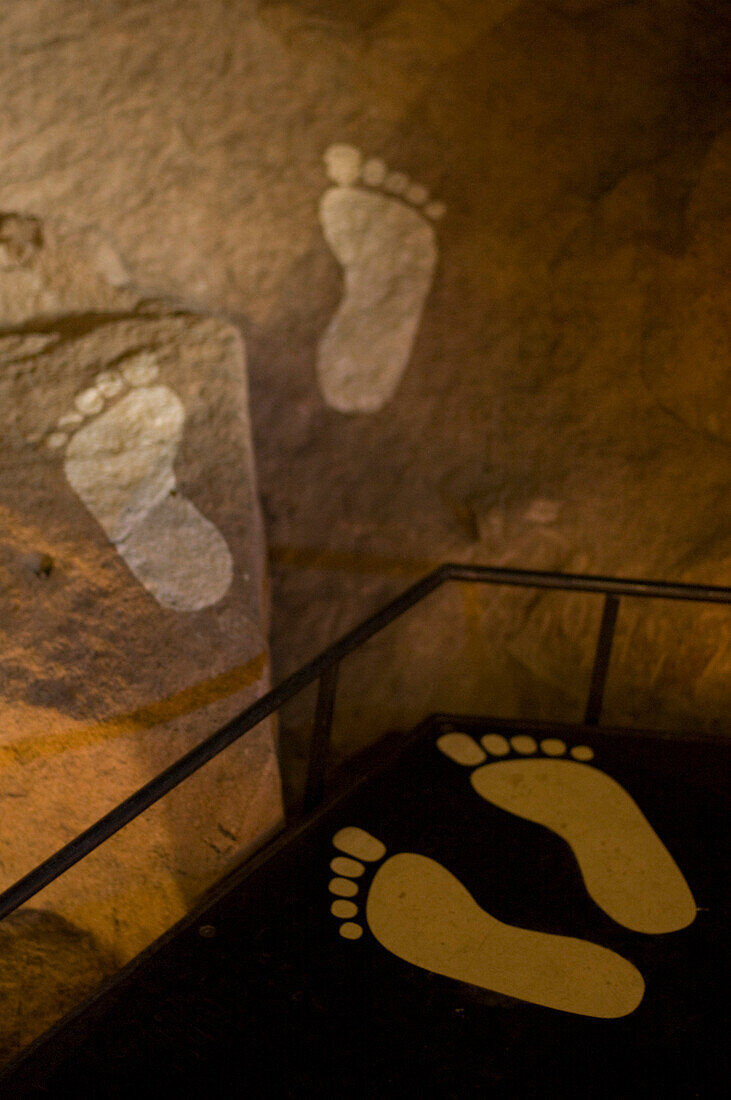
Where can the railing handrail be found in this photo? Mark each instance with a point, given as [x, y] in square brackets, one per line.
[172, 776]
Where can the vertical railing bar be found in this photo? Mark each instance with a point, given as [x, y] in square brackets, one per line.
[320, 739]
[602, 657]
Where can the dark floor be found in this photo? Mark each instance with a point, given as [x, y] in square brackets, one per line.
[258, 995]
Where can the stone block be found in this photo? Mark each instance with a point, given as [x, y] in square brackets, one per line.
[133, 611]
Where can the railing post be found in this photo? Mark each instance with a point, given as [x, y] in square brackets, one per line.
[602, 657]
[320, 739]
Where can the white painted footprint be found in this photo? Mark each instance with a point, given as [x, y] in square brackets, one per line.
[120, 463]
[421, 913]
[378, 225]
[627, 869]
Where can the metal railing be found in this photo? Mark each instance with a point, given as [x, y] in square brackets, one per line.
[324, 669]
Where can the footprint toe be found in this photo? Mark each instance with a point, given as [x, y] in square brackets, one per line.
[397, 183]
[435, 210]
[109, 383]
[89, 401]
[417, 194]
[461, 748]
[350, 868]
[524, 744]
[553, 746]
[343, 164]
[496, 744]
[374, 172]
[343, 887]
[141, 370]
[344, 910]
[357, 842]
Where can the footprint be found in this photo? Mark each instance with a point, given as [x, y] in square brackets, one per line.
[421, 913]
[120, 462]
[627, 869]
[378, 225]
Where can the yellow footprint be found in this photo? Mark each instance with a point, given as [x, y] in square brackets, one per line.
[627, 869]
[420, 912]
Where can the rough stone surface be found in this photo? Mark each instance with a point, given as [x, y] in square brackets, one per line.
[133, 612]
[46, 967]
[50, 267]
[565, 402]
